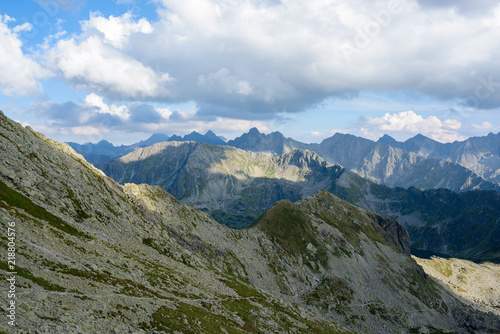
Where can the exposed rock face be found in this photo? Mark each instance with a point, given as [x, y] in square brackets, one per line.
[236, 186]
[376, 161]
[478, 154]
[475, 283]
[97, 257]
[394, 167]
[395, 233]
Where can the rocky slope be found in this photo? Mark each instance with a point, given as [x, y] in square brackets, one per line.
[478, 154]
[236, 186]
[96, 257]
[475, 283]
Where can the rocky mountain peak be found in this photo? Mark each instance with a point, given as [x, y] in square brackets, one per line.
[254, 131]
[304, 159]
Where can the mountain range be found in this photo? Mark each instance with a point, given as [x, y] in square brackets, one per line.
[94, 256]
[419, 162]
[236, 186]
[376, 161]
[479, 154]
[104, 151]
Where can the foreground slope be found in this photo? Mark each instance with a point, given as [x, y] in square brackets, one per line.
[94, 256]
[236, 186]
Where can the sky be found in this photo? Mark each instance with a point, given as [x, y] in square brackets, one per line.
[121, 70]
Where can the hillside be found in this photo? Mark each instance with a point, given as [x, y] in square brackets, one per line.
[94, 256]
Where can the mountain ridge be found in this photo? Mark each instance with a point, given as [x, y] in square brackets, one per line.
[479, 154]
[386, 161]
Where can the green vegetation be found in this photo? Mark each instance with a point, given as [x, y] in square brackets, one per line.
[82, 214]
[332, 291]
[17, 200]
[187, 318]
[25, 273]
[288, 225]
[243, 289]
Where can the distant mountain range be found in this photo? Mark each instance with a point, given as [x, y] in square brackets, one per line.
[104, 151]
[419, 162]
[376, 161]
[478, 154]
[236, 186]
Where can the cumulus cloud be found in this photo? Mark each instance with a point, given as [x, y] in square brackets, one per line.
[405, 124]
[116, 30]
[19, 73]
[483, 126]
[94, 60]
[97, 104]
[265, 57]
[92, 64]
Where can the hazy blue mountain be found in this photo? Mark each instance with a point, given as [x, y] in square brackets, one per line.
[104, 151]
[274, 143]
[208, 138]
[479, 154]
[155, 138]
[387, 161]
[236, 186]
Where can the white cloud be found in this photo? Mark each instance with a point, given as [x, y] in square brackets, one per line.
[116, 30]
[93, 65]
[19, 73]
[483, 126]
[96, 102]
[407, 123]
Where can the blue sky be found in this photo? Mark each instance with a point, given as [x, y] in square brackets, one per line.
[81, 70]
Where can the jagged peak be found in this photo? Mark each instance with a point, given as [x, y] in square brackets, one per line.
[254, 130]
[387, 138]
[419, 137]
[194, 133]
[157, 135]
[210, 133]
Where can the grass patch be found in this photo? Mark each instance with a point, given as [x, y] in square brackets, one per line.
[17, 200]
[288, 225]
[191, 319]
[25, 273]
